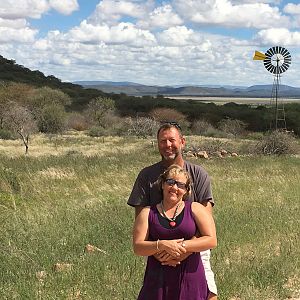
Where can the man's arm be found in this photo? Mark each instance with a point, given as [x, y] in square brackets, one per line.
[137, 210]
[208, 206]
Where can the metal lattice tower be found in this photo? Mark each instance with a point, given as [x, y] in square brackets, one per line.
[276, 60]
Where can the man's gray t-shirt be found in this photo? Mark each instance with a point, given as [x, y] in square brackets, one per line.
[146, 191]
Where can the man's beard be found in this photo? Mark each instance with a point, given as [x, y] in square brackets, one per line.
[171, 157]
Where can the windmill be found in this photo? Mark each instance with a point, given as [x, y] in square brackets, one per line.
[276, 60]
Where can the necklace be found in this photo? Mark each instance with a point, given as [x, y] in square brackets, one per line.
[172, 220]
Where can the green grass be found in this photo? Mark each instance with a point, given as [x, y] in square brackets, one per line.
[52, 206]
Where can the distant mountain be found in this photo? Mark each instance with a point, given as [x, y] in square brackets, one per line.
[108, 83]
[134, 89]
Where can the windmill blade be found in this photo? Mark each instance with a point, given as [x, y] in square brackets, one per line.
[284, 67]
[268, 53]
[281, 70]
[285, 52]
[272, 51]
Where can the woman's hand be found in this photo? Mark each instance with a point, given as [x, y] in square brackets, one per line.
[172, 247]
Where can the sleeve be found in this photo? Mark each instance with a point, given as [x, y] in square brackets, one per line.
[202, 187]
[140, 192]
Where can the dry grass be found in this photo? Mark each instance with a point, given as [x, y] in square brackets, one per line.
[68, 143]
[71, 190]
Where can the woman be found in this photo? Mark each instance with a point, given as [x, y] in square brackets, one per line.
[171, 226]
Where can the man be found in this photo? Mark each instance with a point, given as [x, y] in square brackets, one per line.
[146, 191]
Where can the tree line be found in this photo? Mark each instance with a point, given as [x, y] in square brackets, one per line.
[32, 102]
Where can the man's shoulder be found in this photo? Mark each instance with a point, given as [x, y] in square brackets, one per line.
[155, 169]
[191, 167]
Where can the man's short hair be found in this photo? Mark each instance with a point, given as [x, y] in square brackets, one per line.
[168, 125]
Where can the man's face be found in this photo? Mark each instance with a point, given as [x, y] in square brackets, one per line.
[170, 143]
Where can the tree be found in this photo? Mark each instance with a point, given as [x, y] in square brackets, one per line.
[45, 95]
[169, 114]
[234, 127]
[20, 120]
[11, 92]
[202, 127]
[142, 126]
[98, 108]
[48, 107]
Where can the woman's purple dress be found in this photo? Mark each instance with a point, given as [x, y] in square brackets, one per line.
[183, 282]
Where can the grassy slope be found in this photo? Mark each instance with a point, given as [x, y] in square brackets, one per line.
[51, 206]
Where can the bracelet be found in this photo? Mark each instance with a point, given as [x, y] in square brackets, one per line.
[157, 248]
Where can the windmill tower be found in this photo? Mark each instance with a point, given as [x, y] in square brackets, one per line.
[276, 60]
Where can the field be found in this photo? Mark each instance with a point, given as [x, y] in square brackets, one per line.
[71, 191]
[223, 100]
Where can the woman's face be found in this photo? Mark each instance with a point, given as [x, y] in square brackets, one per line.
[174, 188]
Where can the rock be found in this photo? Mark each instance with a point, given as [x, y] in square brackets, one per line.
[202, 154]
[233, 154]
[91, 248]
[59, 267]
[190, 154]
[223, 152]
[218, 154]
[41, 275]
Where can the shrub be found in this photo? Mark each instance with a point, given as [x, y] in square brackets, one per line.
[278, 143]
[232, 127]
[51, 118]
[142, 126]
[7, 135]
[169, 114]
[97, 131]
[203, 127]
[77, 122]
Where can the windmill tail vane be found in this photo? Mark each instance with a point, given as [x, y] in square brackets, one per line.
[259, 56]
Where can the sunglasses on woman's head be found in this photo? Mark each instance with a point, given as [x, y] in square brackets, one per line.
[171, 182]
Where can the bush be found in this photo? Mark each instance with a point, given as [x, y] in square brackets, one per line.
[162, 114]
[232, 127]
[97, 131]
[201, 127]
[77, 122]
[142, 127]
[277, 143]
[7, 135]
[52, 118]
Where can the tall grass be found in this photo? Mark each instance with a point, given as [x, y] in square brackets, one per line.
[52, 206]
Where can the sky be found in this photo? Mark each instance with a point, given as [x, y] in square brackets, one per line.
[152, 42]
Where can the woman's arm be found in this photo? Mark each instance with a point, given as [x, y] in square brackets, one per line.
[206, 226]
[143, 247]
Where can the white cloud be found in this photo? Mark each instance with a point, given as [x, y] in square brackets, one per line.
[223, 13]
[16, 9]
[149, 42]
[65, 7]
[291, 8]
[278, 36]
[178, 36]
[111, 11]
[237, 2]
[161, 17]
[23, 35]
[16, 24]
[122, 33]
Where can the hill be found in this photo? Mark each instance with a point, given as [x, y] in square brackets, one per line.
[135, 89]
[12, 72]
